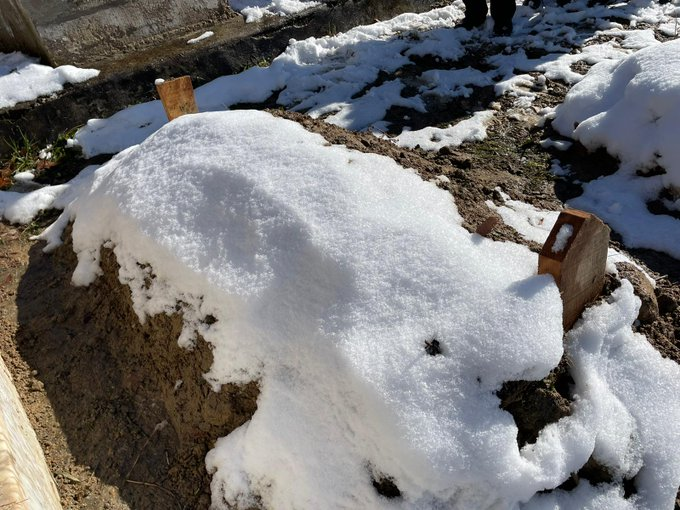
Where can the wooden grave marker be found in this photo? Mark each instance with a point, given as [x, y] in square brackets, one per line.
[177, 96]
[575, 253]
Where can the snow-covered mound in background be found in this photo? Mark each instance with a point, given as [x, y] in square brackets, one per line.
[328, 270]
[631, 107]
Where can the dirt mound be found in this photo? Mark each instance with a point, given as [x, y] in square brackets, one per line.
[126, 417]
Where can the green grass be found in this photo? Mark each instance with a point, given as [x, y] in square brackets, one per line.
[23, 153]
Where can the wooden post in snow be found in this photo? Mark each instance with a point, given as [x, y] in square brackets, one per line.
[177, 96]
[576, 255]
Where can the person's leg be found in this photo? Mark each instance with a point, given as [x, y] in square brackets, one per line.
[475, 13]
[502, 12]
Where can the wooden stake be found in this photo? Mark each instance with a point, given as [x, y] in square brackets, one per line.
[576, 255]
[177, 97]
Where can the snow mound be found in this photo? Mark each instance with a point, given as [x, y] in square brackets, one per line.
[633, 392]
[632, 108]
[255, 10]
[327, 271]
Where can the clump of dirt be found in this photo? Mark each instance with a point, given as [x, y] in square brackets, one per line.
[535, 404]
[122, 412]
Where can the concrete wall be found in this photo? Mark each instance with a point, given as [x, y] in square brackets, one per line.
[82, 31]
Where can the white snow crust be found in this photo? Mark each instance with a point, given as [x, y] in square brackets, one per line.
[22, 78]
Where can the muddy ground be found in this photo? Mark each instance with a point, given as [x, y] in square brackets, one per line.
[103, 392]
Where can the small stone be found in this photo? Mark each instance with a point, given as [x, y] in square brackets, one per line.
[649, 308]
[36, 386]
[432, 347]
[666, 303]
[487, 226]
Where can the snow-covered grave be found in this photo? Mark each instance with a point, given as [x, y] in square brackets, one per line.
[326, 77]
[328, 270]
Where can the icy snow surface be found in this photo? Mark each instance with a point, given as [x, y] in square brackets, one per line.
[327, 271]
[22, 78]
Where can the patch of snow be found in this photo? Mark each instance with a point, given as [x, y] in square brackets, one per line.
[24, 177]
[632, 108]
[530, 222]
[202, 37]
[433, 138]
[22, 78]
[255, 10]
[636, 391]
[22, 208]
[560, 145]
[562, 238]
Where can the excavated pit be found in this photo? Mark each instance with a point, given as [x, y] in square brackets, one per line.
[133, 405]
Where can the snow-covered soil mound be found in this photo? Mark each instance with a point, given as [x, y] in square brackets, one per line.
[377, 328]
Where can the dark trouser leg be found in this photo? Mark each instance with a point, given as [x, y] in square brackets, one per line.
[502, 12]
[475, 12]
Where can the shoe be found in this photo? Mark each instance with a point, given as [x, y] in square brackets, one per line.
[469, 24]
[502, 29]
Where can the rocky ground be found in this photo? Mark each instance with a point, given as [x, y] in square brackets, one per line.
[115, 403]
